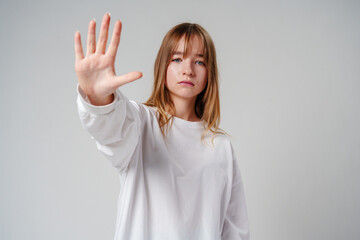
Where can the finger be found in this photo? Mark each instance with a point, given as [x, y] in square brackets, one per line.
[115, 39]
[124, 79]
[79, 54]
[90, 49]
[103, 36]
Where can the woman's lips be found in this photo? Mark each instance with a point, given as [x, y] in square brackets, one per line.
[186, 83]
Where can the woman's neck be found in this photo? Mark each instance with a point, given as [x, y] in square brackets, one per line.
[185, 109]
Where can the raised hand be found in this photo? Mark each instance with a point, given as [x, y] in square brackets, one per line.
[96, 72]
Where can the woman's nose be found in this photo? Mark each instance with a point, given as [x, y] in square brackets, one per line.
[188, 68]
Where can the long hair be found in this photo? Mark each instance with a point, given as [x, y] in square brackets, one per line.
[207, 104]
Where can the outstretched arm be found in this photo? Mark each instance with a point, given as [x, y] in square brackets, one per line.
[115, 121]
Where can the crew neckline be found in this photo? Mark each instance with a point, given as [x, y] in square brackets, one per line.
[188, 123]
[182, 122]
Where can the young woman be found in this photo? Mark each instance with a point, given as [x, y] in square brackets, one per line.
[179, 177]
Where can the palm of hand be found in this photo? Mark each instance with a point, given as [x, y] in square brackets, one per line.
[96, 74]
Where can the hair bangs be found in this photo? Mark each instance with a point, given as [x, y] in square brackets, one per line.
[189, 31]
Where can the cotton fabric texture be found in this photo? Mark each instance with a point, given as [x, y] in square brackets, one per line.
[179, 188]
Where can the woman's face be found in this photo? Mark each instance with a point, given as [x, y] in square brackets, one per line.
[186, 76]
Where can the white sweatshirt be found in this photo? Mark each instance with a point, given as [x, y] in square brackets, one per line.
[178, 189]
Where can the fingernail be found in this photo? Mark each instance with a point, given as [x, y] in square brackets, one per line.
[94, 19]
[108, 14]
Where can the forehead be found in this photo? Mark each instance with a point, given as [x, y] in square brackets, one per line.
[191, 45]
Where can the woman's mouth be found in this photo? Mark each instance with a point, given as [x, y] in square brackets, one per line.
[186, 83]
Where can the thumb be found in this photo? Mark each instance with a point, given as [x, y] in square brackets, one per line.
[126, 78]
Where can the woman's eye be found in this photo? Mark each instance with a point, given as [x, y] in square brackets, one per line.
[176, 60]
[200, 63]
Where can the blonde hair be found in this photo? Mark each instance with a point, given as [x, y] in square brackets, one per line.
[207, 105]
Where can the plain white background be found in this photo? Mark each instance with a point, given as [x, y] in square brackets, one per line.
[290, 97]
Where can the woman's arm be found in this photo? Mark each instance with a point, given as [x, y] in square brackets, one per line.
[110, 118]
[236, 224]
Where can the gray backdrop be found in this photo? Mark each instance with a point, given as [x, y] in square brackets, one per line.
[290, 97]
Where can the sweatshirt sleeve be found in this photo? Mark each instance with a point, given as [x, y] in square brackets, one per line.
[236, 224]
[115, 127]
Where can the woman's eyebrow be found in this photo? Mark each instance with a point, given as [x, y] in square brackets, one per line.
[181, 53]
